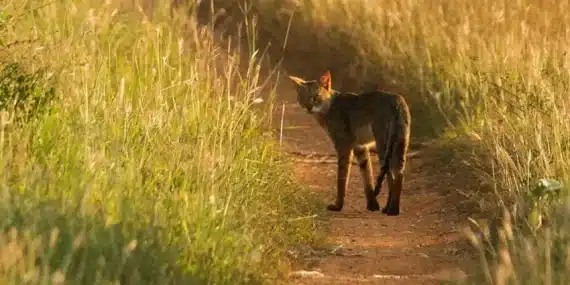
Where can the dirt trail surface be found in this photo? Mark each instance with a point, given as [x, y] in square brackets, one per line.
[421, 246]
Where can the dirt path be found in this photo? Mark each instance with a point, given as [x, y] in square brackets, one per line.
[421, 246]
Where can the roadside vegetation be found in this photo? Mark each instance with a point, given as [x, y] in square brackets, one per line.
[131, 152]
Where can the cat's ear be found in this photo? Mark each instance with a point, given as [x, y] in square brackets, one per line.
[297, 80]
[326, 80]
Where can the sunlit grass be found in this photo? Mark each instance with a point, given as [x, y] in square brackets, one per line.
[149, 166]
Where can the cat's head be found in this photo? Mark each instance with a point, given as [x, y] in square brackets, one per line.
[313, 95]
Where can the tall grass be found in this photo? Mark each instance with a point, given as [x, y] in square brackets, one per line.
[495, 73]
[149, 165]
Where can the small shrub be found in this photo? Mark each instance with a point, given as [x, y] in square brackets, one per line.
[26, 93]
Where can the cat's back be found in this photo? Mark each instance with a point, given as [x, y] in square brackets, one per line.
[366, 102]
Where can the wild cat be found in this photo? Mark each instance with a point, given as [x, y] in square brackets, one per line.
[354, 122]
